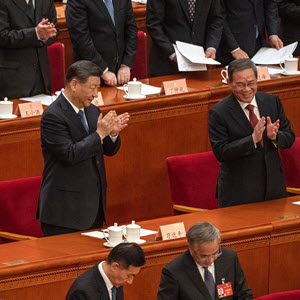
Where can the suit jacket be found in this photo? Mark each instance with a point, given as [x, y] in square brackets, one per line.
[94, 36]
[248, 174]
[20, 50]
[168, 21]
[289, 12]
[181, 279]
[90, 285]
[73, 188]
[239, 30]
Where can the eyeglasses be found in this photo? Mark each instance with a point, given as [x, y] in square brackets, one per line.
[204, 258]
[242, 86]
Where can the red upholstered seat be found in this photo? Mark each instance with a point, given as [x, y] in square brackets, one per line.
[193, 180]
[18, 203]
[140, 68]
[289, 295]
[57, 66]
[291, 164]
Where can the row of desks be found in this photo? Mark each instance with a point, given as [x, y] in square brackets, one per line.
[265, 235]
[160, 126]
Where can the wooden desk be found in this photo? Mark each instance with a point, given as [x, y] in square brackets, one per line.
[160, 126]
[268, 249]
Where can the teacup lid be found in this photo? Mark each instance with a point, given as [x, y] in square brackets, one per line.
[6, 101]
[133, 225]
[115, 227]
[134, 81]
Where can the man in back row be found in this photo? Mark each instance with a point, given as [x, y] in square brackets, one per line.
[246, 129]
[205, 270]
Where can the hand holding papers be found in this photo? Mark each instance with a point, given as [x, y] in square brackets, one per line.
[271, 56]
[192, 57]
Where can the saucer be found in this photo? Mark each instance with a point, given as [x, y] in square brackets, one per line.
[224, 81]
[139, 242]
[107, 244]
[134, 98]
[288, 74]
[4, 117]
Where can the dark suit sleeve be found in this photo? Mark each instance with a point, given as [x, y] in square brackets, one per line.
[155, 16]
[215, 22]
[229, 38]
[130, 37]
[56, 138]
[290, 11]
[78, 26]
[285, 135]
[78, 295]
[223, 148]
[271, 16]
[168, 287]
[241, 290]
[11, 38]
[110, 148]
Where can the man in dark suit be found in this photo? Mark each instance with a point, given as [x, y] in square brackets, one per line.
[197, 22]
[75, 136]
[289, 12]
[245, 28]
[246, 129]
[205, 270]
[105, 280]
[26, 28]
[104, 32]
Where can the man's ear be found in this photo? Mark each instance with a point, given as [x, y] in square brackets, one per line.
[73, 84]
[114, 266]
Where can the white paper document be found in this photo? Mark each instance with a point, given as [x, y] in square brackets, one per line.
[194, 54]
[146, 89]
[272, 56]
[297, 202]
[45, 99]
[185, 65]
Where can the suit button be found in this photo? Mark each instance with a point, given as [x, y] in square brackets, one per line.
[98, 162]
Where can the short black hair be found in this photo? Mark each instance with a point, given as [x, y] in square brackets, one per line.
[241, 65]
[82, 70]
[127, 254]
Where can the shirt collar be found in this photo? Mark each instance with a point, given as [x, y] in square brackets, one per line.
[74, 107]
[244, 104]
[108, 283]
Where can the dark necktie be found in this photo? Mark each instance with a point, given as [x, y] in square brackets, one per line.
[114, 293]
[110, 9]
[252, 117]
[81, 117]
[191, 7]
[31, 8]
[210, 282]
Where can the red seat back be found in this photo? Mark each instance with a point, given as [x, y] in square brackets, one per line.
[193, 179]
[18, 203]
[140, 68]
[57, 66]
[291, 164]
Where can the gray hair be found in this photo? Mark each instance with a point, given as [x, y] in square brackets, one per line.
[241, 65]
[203, 232]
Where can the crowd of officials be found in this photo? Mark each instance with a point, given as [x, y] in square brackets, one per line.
[246, 129]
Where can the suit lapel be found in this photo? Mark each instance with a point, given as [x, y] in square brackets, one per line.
[24, 7]
[193, 273]
[91, 118]
[185, 9]
[38, 11]
[102, 7]
[71, 115]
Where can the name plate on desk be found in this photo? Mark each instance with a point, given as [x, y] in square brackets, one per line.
[173, 87]
[99, 100]
[60, 12]
[172, 231]
[263, 74]
[30, 109]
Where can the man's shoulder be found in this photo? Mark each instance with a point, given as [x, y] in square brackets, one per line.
[226, 252]
[179, 261]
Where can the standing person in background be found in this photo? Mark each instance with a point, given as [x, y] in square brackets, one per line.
[289, 13]
[245, 28]
[198, 22]
[27, 27]
[104, 32]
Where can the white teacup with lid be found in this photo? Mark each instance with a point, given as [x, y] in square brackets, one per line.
[115, 235]
[134, 89]
[6, 107]
[133, 233]
[290, 65]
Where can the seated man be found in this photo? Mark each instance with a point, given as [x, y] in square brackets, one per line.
[104, 281]
[205, 270]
